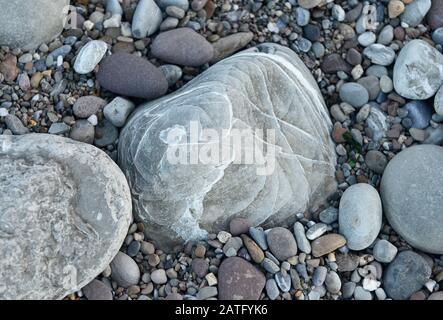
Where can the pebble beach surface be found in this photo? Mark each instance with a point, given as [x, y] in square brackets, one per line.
[379, 67]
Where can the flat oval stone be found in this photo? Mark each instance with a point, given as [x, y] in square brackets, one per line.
[182, 46]
[412, 196]
[86, 106]
[124, 270]
[418, 71]
[282, 243]
[405, 275]
[239, 280]
[129, 75]
[62, 225]
[90, 56]
[360, 215]
[354, 94]
[326, 244]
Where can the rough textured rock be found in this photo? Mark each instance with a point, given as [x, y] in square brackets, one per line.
[406, 275]
[360, 215]
[27, 24]
[418, 70]
[182, 46]
[239, 280]
[86, 106]
[239, 96]
[62, 219]
[412, 196]
[129, 75]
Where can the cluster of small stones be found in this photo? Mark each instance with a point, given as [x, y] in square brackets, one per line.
[350, 47]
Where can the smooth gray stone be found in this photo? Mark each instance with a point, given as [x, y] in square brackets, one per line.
[418, 71]
[302, 242]
[333, 282]
[362, 294]
[420, 112]
[124, 270]
[360, 215]
[228, 45]
[90, 56]
[114, 7]
[415, 12]
[319, 276]
[105, 134]
[329, 215]
[118, 110]
[283, 280]
[348, 289]
[27, 24]
[384, 251]
[272, 289]
[354, 93]
[405, 275]
[147, 19]
[15, 125]
[259, 236]
[183, 4]
[179, 201]
[62, 224]
[411, 192]
[172, 73]
[59, 128]
[97, 290]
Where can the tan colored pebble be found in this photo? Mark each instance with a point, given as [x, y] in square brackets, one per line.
[254, 250]
[395, 8]
[326, 244]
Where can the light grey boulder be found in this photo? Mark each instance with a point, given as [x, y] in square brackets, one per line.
[418, 71]
[27, 24]
[360, 215]
[412, 195]
[181, 201]
[65, 209]
[147, 19]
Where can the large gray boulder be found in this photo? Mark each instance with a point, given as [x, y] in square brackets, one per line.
[26, 24]
[65, 209]
[412, 194]
[418, 71]
[181, 196]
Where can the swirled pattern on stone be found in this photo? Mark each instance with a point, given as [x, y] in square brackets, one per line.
[266, 87]
[65, 208]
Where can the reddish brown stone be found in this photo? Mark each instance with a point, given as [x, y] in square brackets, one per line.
[239, 280]
[9, 68]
